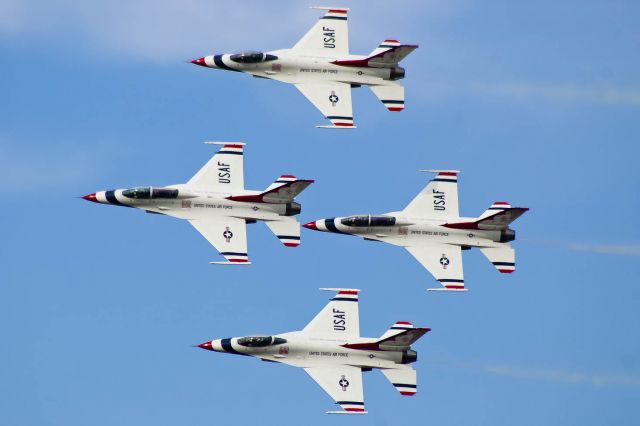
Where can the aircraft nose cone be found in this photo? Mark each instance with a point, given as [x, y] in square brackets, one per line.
[206, 345]
[311, 225]
[199, 61]
[90, 197]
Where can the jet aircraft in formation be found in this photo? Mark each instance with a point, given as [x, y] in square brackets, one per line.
[319, 65]
[216, 203]
[431, 229]
[331, 351]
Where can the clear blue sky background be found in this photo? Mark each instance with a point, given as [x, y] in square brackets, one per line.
[538, 103]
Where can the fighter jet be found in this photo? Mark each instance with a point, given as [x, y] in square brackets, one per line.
[320, 66]
[332, 352]
[216, 203]
[431, 229]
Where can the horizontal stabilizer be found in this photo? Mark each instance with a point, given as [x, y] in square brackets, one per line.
[392, 96]
[494, 219]
[388, 54]
[287, 230]
[393, 342]
[404, 380]
[282, 193]
[503, 258]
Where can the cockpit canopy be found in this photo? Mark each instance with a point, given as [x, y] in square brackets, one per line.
[370, 221]
[149, 192]
[260, 341]
[252, 57]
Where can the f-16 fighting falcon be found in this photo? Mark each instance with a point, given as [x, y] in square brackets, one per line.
[320, 66]
[216, 203]
[332, 352]
[431, 229]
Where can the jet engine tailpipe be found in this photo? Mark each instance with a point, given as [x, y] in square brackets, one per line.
[397, 73]
[409, 356]
[507, 235]
[293, 209]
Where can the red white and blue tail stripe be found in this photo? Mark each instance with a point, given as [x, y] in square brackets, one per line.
[445, 175]
[351, 406]
[496, 207]
[340, 121]
[234, 257]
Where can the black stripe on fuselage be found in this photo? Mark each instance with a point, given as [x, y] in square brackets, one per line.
[217, 59]
[328, 223]
[337, 18]
[226, 346]
[111, 198]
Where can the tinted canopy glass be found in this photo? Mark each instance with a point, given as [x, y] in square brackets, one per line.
[368, 221]
[252, 57]
[147, 192]
[260, 341]
[142, 193]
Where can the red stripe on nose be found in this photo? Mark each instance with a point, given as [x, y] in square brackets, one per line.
[90, 197]
[311, 225]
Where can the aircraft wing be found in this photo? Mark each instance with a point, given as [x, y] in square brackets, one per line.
[227, 234]
[333, 99]
[224, 172]
[343, 383]
[443, 261]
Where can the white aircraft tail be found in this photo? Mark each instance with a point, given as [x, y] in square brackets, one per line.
[387, 55]
[498, 217]
[282, 191]
[503, 258]
[287, 230]
[392, 96]
[399, 337]
[405, 380]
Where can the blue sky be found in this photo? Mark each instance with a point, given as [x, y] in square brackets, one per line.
[537, 103]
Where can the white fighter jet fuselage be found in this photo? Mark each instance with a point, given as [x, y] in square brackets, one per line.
[331, 351]
[184, 202]
[290, 66]
[402, 231]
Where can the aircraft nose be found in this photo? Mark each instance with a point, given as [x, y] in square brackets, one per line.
[199, 61]
[206, 345]
[311, 225]
[91, 197]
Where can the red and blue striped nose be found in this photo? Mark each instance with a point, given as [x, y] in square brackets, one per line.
[206, 345]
